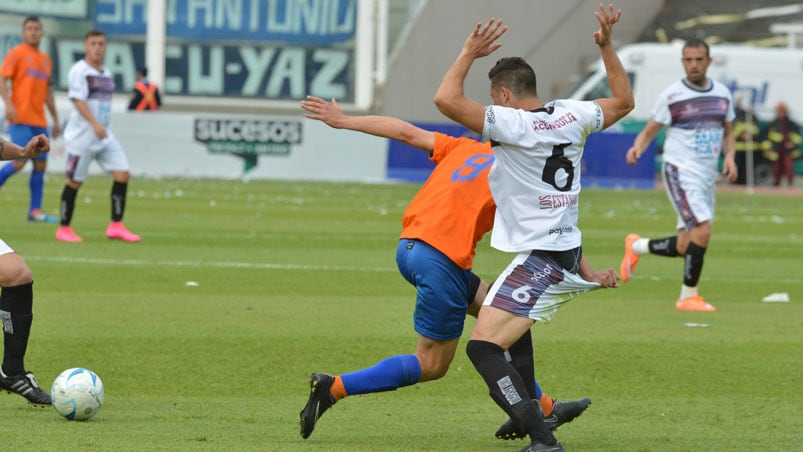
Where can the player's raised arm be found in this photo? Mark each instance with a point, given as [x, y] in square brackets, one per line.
[618, 106]
[450, 98]
[381, 126]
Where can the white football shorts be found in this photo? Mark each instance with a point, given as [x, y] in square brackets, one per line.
[533, 285]
[692, 197]
[107, 152]
[4, 248]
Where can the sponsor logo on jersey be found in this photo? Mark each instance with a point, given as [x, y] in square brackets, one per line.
[563, 121]
[546, 202]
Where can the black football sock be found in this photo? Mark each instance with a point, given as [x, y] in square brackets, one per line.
[67, 204]
[664, 247]
[119, 190]
[693, 265]
[521, 358]
[16, 312]
[508, 390]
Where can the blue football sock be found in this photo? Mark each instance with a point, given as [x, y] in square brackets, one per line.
[6, 171]
[37, 186]
[386, 375]
[538, 391]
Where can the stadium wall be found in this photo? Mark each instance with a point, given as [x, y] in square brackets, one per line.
[166, 144]
[232, 146]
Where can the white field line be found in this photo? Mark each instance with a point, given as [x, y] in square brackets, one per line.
[307, 267]
[213, 264]
[719, 280]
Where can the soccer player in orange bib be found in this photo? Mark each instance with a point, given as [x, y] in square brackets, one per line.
[28, 69]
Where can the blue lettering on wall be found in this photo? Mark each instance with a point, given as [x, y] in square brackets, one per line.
[258, 72]
[308, 22]
[756, 95]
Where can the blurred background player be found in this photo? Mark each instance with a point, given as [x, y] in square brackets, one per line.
[699, 114]
[781, 145]
[29, 70]
[16, 298]
[440, 230]
[145, 95]
[88, 137]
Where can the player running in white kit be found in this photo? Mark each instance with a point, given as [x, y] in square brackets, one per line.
[698, 113]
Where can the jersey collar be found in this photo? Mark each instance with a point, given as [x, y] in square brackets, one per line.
[709, 85]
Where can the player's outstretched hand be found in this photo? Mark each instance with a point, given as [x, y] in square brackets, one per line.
[321, 110]
[36, 146]
[607, 278]
[729, 169]
[632, 156]
[606, 20]
[481, 42]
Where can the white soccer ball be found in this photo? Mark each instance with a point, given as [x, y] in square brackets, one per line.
[77, 394]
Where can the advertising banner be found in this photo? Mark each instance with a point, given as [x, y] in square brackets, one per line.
[262, 72]
[319, 22]
[68, 9]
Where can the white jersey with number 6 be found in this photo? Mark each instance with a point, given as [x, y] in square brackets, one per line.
[535, 178]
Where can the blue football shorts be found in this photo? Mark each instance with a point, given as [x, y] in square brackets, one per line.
[442, 289]
[21, 134]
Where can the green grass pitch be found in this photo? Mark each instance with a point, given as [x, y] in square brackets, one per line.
[287, 278]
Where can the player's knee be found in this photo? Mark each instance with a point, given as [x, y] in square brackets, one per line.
[15, 271]
[701, 235]
[434, 370]
[121, 176]
[24, 274]
[435, 361]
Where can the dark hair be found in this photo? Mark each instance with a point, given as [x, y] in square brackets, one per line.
[697, 42]
[514, 74]
[143, 70]
[30, 19]
[94, 32]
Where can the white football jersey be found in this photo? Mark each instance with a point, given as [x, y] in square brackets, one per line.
[535, 178]
[695, 118]
[95, 88]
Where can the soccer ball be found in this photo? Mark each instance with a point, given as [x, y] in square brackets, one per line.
[77, 394]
